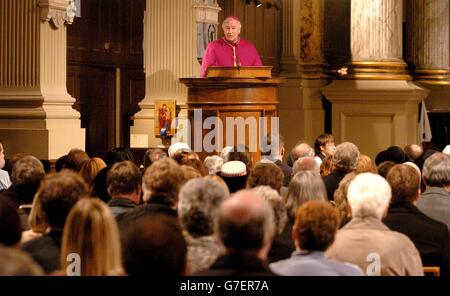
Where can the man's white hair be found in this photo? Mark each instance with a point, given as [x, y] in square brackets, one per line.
[368, 195]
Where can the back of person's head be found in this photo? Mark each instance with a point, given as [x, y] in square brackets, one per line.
[17, 263]
[10, 227]
[436, 170]
[199, 201]
[190, 172]
[305, 164]
[234, 173]
[405, 183]
[368, 196]
[154, 246]
[346, 156]
[301, 150]
[118, 154]
[12, 161]
[90, 169]
[75, 159]
[340, 197]
[321, 142]
[241, 153]
[384, 168]
[277, 203]
[123, 178]
[36, 218]
[365, 165]
[153, 155]
[245, 222]
[60, 163]
[266, 174]
[27, 174]
[272, 146]
[91, 232]
[58, 193]
[393, 153]
[213, 164]
[413, 151]
[178, 147]
[197, 165]
[304, 186]
[162, 181]
[315, 226]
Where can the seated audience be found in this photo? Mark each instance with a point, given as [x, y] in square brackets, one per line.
[323, 147]
[5, 181]
[340, 199]
[235, 174]
[413, 151]
[154, 246]
[36, 220]
[27, 174]
[304, 186]
[241, 153]
[282, 246]
[327, 166]
[344, 160]
[384, 168]
[435, 201]
[58, 193]
[75, 159]
[153, 155]
[430, 237]
[213, 164]
[245, 226]
[199, 202]
[267, 174]
[273, 151]
[365, 165]
[91, 232]
[305, 164]
[17, 263]
[89, 171]
[300, 150]
[313, 232]
[365, 241]
[10, 228]
[124, 186]
[393, 153]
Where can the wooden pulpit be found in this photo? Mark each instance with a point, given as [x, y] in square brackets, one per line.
[224, 107]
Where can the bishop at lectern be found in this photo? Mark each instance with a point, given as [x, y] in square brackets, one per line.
[231, 50]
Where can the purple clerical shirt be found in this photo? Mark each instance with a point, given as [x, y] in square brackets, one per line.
[220, 53]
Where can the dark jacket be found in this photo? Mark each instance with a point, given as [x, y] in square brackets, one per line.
[46, 250]
[119, 205]
[430, 237]
[332, 182]
[287, 172]
[237, 264]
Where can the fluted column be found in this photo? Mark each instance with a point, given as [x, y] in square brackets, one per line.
[376, 40]
[170, 53]
[428, 40]
[36, 114]
[290, 56]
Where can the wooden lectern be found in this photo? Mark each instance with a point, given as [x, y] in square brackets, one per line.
[232, 95]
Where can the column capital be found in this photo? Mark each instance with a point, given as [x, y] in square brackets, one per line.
[57, 12]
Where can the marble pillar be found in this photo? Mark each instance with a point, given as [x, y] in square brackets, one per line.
[170, 53]
[376, 41]
[36, 114]
[428, 41]
[374, 104]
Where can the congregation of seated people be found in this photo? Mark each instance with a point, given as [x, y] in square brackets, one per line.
[328, 210]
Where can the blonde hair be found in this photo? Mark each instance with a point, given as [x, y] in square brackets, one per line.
[90, 169]
[91, 232]
[36, 218]
[365, 165]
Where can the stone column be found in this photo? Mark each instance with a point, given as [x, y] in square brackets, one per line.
[36, 115]
[428, 41]
[376, 40]
[428, 49]
[375, 105]
[170, 53]
[303, 64]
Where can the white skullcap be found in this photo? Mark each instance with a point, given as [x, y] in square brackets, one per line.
[178, 146]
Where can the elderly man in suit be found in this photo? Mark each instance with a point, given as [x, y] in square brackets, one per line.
[365, 241]
[245, 225]
[435, 201]
[430, 237]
